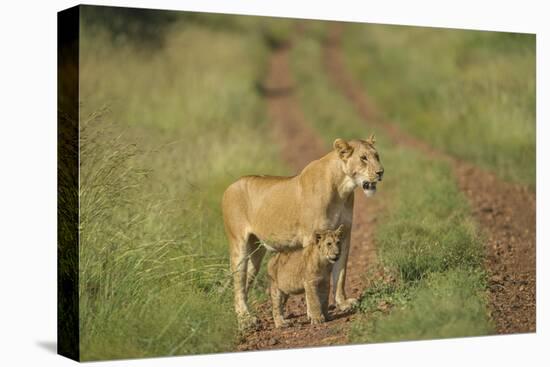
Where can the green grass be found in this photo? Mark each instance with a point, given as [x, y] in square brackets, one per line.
[431, 230]
[426, 241]
[470, 93]
[430, 245]
[444, 305]
[181, 123]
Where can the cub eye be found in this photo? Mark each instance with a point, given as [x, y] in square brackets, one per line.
[329, 244]
[364, 158]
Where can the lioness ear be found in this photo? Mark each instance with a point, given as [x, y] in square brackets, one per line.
[371, 140]
[343, 149]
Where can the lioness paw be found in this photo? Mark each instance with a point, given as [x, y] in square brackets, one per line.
[247, 322]
[282, 323]
[317, 320]
[347, 304]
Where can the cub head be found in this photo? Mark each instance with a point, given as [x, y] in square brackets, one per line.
[329, 243]
[361, 162]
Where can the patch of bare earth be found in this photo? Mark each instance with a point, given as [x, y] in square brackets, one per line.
[505, 212]
[300, 145]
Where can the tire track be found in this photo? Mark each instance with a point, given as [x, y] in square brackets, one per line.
[506, 212]
[300, 144]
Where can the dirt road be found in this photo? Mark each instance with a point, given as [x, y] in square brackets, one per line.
[300, 145]
[505, 212]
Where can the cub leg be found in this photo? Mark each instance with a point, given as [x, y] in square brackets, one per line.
[278, 301]
[313, 302]
[324, 295]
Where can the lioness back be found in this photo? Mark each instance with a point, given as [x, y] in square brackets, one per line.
[265, 205]
[247, 187]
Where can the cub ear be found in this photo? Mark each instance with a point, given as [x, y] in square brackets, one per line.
[317, 237]
[371, 140]
[343, 149]
[340, 230]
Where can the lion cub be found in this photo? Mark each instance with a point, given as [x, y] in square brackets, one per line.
[307, 269]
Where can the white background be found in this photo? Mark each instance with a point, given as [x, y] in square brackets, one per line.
[28, 181]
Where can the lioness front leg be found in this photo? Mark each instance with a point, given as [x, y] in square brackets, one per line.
[339, 276]
[278, 300]
[313, 300]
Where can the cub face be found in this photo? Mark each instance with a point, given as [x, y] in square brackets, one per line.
[329, 243]
[361, 162]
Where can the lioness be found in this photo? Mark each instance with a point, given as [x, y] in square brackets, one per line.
[305, 270]
[284, 211]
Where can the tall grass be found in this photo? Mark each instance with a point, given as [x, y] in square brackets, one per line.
[428, 247]
[183, 121]
[470, 93]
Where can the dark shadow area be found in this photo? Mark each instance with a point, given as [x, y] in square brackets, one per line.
[337, 314]
[149, 26]
[129, 24]
[273, 92]
[68, 27]
[274, 41]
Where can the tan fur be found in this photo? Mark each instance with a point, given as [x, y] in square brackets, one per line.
[305, 270]
[284, 211]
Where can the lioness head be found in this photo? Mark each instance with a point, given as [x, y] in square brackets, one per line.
[361, 162]
[329, 244]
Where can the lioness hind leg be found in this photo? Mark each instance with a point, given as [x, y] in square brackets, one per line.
[239, 264]
[257, 253]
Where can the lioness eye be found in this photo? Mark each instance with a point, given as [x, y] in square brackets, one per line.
[376, 156]
[364, 158]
